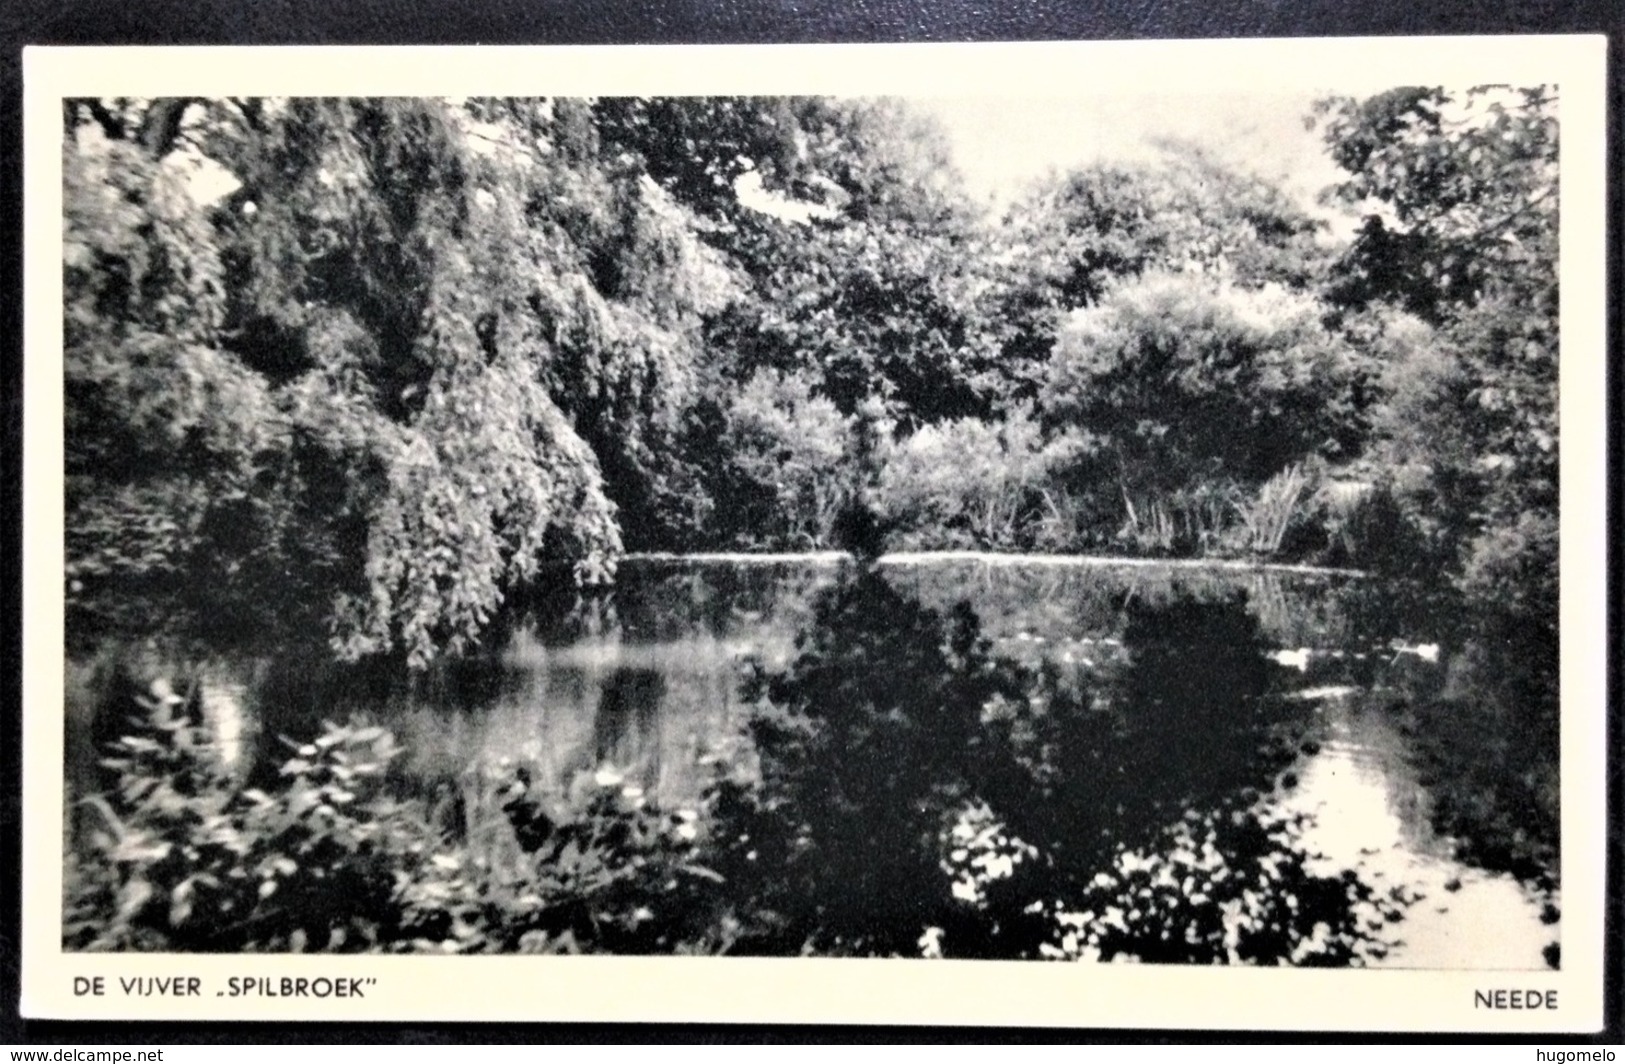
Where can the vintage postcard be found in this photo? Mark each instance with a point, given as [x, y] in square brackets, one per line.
[1047, 534]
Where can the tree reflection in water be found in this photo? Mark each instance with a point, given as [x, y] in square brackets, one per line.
[626, 725]
[1485, 727]
[869, 744]
[915, 792]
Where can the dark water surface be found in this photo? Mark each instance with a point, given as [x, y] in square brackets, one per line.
[1294, 704]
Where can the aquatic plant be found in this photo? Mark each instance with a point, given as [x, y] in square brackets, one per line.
[1269, 514]
[185, 859]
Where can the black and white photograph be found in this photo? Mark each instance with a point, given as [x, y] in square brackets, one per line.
[1106, 526]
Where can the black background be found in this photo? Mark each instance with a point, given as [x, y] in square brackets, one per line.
[223, 22]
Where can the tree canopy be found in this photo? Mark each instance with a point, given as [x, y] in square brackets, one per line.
[385, 364]
[1461, 194]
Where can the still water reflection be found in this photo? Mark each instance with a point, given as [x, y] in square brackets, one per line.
[1372, 813]
[1092, 760]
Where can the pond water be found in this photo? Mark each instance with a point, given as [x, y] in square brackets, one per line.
[1360, 738]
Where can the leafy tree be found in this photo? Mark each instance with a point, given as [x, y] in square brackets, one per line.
[1185, 381]
[400, 257]
[786, 477]
[435, 311]
[855, 258]
[880, 161]
[175, 450]
[1461, 190]
[1075, 235]
[875, 287]
[697, 148]
[879, 311]
[1461, 194]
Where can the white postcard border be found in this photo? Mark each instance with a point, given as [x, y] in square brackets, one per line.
[732, 990]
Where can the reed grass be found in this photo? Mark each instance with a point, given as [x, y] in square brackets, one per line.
[1269, 514]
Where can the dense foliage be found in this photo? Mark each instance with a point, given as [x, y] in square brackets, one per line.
[1462, 194]
[376, 366]
[372, 374]
[182, 856]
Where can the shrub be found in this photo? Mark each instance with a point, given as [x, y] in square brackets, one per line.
[1513, 568]
[592, 868]
[786, 477]
[1192, 381]
[1223, 888]
[1389, 528]
[185, 860]
[972, 483]
[1269, 514]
